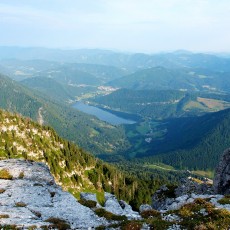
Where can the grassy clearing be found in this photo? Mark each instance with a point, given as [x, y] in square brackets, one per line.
[160, 166]
[208, 174]
[213, 104]
[195, 105]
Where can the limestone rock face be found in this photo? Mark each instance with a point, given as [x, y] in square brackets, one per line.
[174, 197]
[119, 208]
[32, 196]
[145, 207]
[221, 181]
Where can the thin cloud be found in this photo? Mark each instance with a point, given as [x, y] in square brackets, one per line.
[133, 25]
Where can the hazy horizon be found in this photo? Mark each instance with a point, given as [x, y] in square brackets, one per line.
[149, 26]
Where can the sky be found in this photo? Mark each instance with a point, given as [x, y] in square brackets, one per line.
[124, 25]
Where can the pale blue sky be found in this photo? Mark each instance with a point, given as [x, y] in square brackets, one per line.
[126, 25]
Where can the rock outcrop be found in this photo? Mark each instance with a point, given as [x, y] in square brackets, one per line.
[221, 181]
[174, 197]
[120, 208]
[29, 197]
[145, 207]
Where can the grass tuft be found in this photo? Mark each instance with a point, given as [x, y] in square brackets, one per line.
[5, 175]
[88, 203]
[58, 223]
[108, 215]
[150, 213]
[225, 200]
[4, 216]
[20, 204]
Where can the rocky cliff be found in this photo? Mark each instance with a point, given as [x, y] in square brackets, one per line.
[196, 204]
[29, 197]
[222, 177]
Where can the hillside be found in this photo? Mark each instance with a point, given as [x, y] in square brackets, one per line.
[30, 199]
[183, 78]
[192, 143]
[49, 87]
[73, 168]
[162, 104]
[68, 122]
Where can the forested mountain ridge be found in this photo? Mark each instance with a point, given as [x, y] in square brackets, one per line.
[183, 78]
[73, 168]
[162, 104]
[68, 122]
[193, 143]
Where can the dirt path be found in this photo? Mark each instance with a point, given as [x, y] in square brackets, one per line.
[40, 117]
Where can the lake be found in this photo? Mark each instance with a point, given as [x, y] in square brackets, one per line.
[102, 114]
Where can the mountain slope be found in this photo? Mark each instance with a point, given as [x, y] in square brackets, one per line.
[162, 104]
[18, 99]
[73, 169]
[193, 143]
[175, 78]
[32, 200]
[68, 122]
[49, 87]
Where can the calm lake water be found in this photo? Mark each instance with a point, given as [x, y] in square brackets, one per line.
[102, 114]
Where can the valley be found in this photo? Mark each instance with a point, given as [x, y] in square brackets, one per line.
[115, 115]
[163, 112]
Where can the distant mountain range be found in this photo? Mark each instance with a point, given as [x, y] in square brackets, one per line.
[184, 79]
[122, 60]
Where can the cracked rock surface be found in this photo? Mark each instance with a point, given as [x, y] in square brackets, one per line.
[32, 196]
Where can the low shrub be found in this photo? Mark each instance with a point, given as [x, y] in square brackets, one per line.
[224, 200]
[36, 213]
[158, 223]
[201, 215]
[150, 213]
[4, 216]
[4, 174]
[32, 227]
[21, 175]
[2, 190]
[108, 215]
[88, 203]
[131, 225]
[20, 204]
[58, 223]
[8, 226]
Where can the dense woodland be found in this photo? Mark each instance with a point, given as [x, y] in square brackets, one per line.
[68, 122]
[72, 167]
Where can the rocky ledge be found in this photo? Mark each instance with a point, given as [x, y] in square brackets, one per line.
[29, 197]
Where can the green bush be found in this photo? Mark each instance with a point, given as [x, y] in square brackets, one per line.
[88, 203]
[21, 175]
[20, 204]
[4, 216]
[4, 174]
[58, 223]
[150, 213]
[225, 200]
[108, 215]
